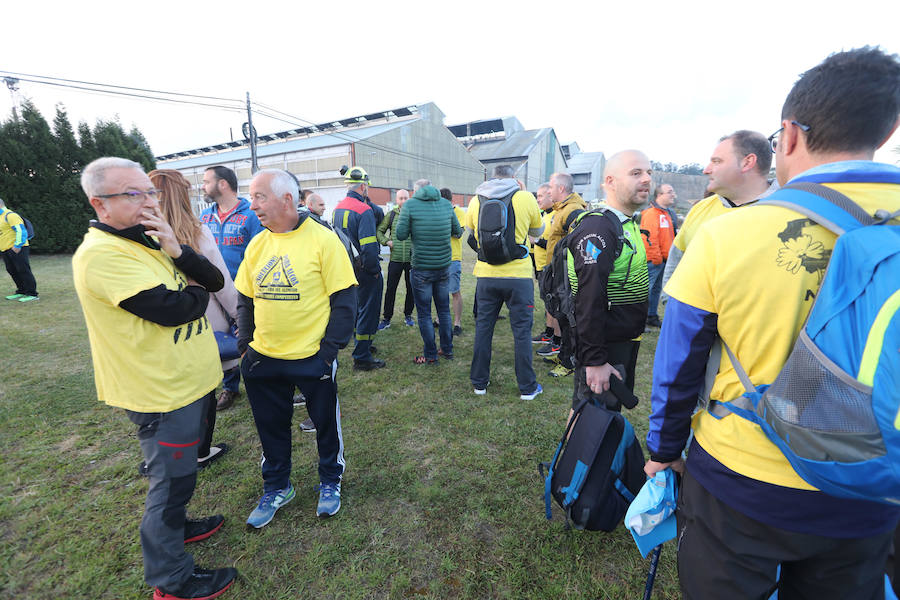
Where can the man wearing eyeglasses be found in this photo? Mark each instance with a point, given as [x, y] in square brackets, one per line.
[233, 225]
[738, 172]
[144, 297]
[750, 277]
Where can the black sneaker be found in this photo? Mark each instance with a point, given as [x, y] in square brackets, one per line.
[543, 338]
[215, 453]
[653, 321]
[202, 584]
[200, 529]
[143, 470]
[457, 330]
[551, 349]
[308, 426]
[368, 365]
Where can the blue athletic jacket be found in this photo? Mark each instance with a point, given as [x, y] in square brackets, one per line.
[234, 234]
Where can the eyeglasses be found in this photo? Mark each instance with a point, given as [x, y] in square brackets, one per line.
[133, 196]
[773, 139]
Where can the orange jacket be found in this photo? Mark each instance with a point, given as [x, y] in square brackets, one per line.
[658, 224]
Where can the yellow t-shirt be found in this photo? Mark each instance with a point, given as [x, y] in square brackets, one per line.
[528, 216]
[290, 277]
[749, 267]
[8, 220]
[540, 254]
[139, 365]
[704, 210]
[456, 243]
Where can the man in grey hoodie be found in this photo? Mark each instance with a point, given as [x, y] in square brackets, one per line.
[507, 280]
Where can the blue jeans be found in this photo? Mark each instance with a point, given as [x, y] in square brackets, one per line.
[656, 276]
[490, 294]
[433, 284]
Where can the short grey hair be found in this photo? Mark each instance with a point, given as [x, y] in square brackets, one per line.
[281, 183]
[566, 181]
[503, 172]
[420, 183]
[544, 185]
[94, 175]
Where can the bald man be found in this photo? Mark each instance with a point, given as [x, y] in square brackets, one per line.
[315, 204]
[611, 303]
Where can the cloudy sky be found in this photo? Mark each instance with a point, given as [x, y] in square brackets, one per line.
[668, 78]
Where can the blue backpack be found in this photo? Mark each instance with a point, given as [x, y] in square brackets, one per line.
[834, 409]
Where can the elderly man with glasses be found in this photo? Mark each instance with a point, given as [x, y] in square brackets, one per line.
[144, 297]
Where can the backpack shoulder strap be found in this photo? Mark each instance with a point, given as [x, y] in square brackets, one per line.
[824, 205]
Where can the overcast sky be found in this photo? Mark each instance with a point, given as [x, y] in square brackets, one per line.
[667, 78]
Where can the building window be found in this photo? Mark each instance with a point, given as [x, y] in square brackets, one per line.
[581, 178]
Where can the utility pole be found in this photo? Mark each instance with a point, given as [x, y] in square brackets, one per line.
[13, 84]
[254, 167]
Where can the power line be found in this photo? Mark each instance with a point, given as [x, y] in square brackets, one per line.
[121, 87]
[115, 93]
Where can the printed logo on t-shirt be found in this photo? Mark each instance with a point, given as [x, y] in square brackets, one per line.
[277, 280]
[591, 247]
[800, 250]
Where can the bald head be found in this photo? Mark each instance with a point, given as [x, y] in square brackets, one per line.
[627, 180]
[401, 197]
[315, 204]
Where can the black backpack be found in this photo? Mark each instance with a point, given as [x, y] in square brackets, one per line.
[555, 285]
[497, 231]
[349, 246]
[597, 470]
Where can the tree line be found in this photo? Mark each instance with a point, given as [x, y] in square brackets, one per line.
[670, 167]
[40, 170]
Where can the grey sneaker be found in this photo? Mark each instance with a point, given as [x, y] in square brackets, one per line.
[308, 426]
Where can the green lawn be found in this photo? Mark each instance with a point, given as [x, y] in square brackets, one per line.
[441, 496]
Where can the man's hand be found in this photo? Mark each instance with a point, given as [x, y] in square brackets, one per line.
[16, 249]
[390, 244]
[157, 226]
[652, 467]
[597, 377]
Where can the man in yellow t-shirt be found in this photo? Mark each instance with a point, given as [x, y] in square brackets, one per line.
[738, 172]
[750, 277]
[296, 309]
[455, 270]
[154, 355]
[15, 249]
[545, 203]
[508, 283]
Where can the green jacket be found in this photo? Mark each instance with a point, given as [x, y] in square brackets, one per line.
[402, 250]
[428, 220]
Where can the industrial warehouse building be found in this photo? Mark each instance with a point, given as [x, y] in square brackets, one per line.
[534, 154]
[395, 147]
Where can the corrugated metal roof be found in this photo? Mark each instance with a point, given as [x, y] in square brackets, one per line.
[584, 162]
[518, 144]
[295, 145]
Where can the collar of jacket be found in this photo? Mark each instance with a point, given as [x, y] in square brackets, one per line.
[134, 233]
[356, 195]
[573, 197]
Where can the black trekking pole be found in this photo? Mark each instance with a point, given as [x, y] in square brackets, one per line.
[651, 575]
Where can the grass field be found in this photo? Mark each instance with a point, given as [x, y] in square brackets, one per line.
[441, 496]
